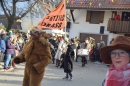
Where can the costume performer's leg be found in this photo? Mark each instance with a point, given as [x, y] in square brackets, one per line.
[26, 78]
[34, 78]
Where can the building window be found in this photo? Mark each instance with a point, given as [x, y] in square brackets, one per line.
[125, 16]
[115, 16]
[95, 17]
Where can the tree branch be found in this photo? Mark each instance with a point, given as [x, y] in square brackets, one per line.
[20, 13]
[14, 8]
[6, 14]
[7, 9]
[16, 1]
[30, 8]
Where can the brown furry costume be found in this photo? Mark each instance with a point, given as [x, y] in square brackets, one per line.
[36, 54]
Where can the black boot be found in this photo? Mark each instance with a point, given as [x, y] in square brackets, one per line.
[76, 59]
[71, 77]
[83, 65]
[86, 62]
[66, 77]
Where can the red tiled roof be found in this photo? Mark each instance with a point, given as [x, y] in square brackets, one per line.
[98, 4]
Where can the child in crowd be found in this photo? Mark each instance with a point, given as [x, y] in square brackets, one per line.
[118, 55]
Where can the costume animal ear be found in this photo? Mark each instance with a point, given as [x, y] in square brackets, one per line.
[47, 36]
[42, 34]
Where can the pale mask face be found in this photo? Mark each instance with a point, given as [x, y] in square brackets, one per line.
[86, 41]
[34, 36]
[54, 38]
[120, 59]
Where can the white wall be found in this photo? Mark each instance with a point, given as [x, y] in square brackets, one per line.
[86, 27]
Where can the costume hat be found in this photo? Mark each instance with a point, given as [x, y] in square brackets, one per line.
[35, 30]
[3, 32]
[120, 42]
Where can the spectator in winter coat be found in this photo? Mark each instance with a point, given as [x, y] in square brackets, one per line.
[2, 42]
[59, 52]
[10, 50]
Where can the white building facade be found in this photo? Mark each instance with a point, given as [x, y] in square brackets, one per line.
[81, 26]
[89, 17]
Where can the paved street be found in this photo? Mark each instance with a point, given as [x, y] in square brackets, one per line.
[90, 75]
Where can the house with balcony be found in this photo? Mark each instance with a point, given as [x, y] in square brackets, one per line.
[100, 19]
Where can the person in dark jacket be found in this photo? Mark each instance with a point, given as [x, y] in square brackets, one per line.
[73, 54]
[53, 50]
[9, 52]
[78, 47]
[67, 63]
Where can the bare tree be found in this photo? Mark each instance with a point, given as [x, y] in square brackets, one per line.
[57, 1]
[13, 11]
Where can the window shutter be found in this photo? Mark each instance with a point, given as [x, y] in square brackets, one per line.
[95, 15]
[101, 16]
[88, 16]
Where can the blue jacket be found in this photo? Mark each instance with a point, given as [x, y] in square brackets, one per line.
[2, 45]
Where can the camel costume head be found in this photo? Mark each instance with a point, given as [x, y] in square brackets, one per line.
[41, 35]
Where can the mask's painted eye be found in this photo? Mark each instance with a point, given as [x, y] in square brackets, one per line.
[36, 32]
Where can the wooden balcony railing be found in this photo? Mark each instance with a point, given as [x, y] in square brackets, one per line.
[118, 26]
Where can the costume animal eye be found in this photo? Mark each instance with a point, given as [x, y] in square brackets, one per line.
[36, 32]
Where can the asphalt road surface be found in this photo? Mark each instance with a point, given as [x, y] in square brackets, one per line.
[90, 75]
